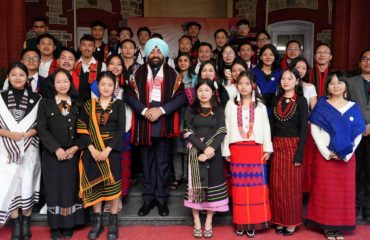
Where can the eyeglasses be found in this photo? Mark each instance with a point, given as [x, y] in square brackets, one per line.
[323, 53]
[262, 39]
[293, 49]
[31, 59]
[228, 54]
[365, 60]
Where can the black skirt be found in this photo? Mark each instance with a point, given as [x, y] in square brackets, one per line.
[61, 183]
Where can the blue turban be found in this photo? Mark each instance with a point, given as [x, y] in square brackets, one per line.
[159, 43]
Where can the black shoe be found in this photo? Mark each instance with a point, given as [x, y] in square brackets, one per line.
[17, 229]
[367, 215]
[279, 230]
[163, 209]
[286, 232]
[68, 233]
[97, 227]
[56, 234]
[145, 208]
[26, 231]
[112, 227]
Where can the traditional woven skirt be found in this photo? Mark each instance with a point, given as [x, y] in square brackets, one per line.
[60, 178]
[332, 204]
[250, 193]
[309, 151]
[216, 198]
[126, 164]
[285, 183]
[101, 191]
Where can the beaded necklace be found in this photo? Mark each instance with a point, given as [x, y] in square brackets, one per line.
[244, 134]
[289, 111]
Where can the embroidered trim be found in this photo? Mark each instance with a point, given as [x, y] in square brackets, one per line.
[17, 112]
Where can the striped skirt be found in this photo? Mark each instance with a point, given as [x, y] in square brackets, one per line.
[250, 193]
[285, 183]
[332, 198]
[309, 151]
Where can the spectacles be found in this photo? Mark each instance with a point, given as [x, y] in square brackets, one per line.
[365, 60]
[31, 59]
[262, 39]
[293, 49]
[323, 53]
[228, 54]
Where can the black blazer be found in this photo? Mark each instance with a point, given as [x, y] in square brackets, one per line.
[54, 129]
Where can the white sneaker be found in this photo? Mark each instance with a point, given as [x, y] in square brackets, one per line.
[44, 210]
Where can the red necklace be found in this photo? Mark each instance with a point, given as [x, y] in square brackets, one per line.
[289, 110]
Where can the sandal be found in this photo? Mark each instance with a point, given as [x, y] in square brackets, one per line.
[239, 232]
[175, 184]
[208, 233]
[330, 235]
[339, 235]
[250, 233]
[197, 233]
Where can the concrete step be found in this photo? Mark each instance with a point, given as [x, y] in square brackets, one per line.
[179, 215]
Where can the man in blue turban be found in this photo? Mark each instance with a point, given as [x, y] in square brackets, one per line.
[155, 94]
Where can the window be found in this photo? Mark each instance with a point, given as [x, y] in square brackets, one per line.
[283, 32]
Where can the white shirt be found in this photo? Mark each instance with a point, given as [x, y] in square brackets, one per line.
[44, 68]
[231, 90]
[86, 66]
[141, 56]
[261, 127]
[196, 70]
[322, 138]
[309, 91]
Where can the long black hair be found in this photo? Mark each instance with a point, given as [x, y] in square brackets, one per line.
[23, 68]
[298, 59]
[214, 104]
[72, 90]
[298, 89]
[202, 66]
[252, 79]
[276, 63]
[190, 69]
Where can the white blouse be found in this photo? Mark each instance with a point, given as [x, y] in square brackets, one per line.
[261, 128]
[309, 91]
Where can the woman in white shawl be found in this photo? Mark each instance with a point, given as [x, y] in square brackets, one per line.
[19, 152]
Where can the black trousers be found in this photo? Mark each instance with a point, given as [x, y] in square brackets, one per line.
[363, 174]
[155, 161]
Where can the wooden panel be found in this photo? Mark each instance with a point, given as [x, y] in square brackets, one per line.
[187, 8]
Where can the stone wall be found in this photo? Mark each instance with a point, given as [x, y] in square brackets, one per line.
[246, 9]
[55, 16]
[130, 8]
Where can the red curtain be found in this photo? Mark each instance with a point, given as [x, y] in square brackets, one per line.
[12, 24]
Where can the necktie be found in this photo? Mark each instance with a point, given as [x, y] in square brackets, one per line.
[29, 83]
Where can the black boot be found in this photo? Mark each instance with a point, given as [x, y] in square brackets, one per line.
[97, 227]
[17, 229]
[26, 223]
[112, 227]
